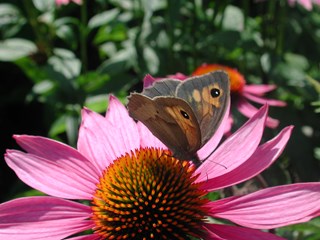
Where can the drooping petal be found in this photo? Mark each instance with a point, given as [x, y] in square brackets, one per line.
[272, 207]
[236, 149]
[43, 218]
[260, 160]
[227, 232]
[261, 100]
[53, 168]
[249, 110]
[147, 138]
[124, 125]
[216, 138]
[258, 90]
[178, 75]
[104, 139]
[148, 81]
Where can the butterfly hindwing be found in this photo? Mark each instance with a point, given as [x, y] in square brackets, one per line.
[170, 119]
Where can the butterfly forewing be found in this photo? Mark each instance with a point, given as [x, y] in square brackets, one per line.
[163, 87]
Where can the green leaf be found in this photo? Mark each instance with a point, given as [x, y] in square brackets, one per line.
[265, 62]
[29, 193]
[108, 49]
[307, 231]
[16, 48]
[66, 33]
[233, 19]
[103, 18]
[97, 103]
[65, 30]
[93, 81]
[116, 32]
[227, 39]
[11, 20]
[65, 62]
[120, 62]
[72, 124]
[58, 127]
[212, 196]
[8, 10]
[152, 60]
[44, 5]
[124, 4]
[294, 76]
[296, 61]
[314, 83]
[44, 87]
[31, 69]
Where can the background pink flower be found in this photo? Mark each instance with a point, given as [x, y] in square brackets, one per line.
[241, 92]
[307, 4]
[65, 2]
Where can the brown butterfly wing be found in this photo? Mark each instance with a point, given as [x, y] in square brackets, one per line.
[171, 120]
[163, 87]
[208, 95]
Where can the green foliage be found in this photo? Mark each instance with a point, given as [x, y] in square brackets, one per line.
[75, 55]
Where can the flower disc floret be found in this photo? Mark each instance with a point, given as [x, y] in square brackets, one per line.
[149, 195]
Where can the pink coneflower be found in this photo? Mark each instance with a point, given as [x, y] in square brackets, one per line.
[136, 190]
[307, 4]
[65, 2]
[241, 92]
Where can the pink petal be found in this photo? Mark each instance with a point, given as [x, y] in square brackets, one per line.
[124, 125]
[258, 89]
[53, 168]
[147, 138]
[62, 2]
[148, 81]
[249, 110]
[291, 2]
[307, 4]
[236, 149]
[178, 75]
[102, 140]
[219, 231]
[228, 126]
[260, 160]
[261, 100]
[65, 2]
[96, 140]
[272, 207]
[43, 218]
[216, 138]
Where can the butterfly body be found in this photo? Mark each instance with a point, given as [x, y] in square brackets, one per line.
[184, 115]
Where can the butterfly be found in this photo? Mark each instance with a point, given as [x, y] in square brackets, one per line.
[183, 115]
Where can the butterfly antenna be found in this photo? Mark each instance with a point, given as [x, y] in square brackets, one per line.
[206, 158]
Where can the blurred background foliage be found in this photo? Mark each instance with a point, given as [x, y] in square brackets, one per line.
[56, 59]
